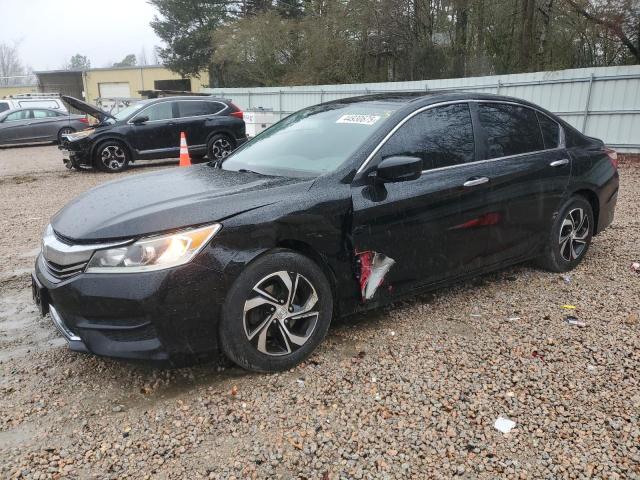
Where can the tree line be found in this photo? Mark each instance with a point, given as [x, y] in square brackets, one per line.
[295, 42]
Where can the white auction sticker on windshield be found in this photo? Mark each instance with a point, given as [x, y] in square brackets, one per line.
[359, 119]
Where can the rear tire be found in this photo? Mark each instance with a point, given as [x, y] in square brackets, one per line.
[111, 156]
[570, 236]
[64, 131]
[219, 147]
[267, 328]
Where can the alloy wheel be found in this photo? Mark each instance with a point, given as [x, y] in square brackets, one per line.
[66, 131]
[573, 234]
[220, 148]
[113, 157]
[281, 315]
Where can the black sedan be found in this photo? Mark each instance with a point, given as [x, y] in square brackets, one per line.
[35, 125]
[340, 207]
[150, 129]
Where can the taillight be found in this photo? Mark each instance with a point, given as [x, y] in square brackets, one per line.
[237, 113]
[613, 157]
[84, 119]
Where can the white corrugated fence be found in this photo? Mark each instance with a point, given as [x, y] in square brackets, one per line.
[603, 102]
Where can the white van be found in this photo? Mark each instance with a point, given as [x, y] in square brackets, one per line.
[35, 100]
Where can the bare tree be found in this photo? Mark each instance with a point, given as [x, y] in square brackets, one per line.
[142, 57]
[619, 17]
[10, 65]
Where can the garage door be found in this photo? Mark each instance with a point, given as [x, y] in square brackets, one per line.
[114, 90]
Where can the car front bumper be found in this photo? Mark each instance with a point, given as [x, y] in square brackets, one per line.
[78, 155]
[167, 315]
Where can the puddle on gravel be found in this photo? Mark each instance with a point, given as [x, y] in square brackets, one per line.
[21, 328]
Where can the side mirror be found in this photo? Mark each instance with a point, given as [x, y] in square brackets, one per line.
[399, 169]
[140, 120]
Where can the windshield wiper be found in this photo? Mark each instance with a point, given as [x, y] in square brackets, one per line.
[244, 170]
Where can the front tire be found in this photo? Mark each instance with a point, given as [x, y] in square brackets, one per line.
[276, 313]
[111, 156]
[570, 236]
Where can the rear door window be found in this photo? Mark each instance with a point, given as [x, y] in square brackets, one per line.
[509, 129]
[550, 131]
[4, 106]
[159, 111]
[440, 136]
[44, 114]
[196, 108]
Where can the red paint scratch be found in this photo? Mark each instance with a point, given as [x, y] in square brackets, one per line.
[492, 218]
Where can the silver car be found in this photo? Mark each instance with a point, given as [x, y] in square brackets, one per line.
[31, 125]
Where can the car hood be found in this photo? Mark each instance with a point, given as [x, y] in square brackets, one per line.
[87, 108]
[168, 200]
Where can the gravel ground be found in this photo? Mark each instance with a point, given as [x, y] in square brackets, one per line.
[410, 391]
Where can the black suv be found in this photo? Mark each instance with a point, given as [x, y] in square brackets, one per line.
[150, 129]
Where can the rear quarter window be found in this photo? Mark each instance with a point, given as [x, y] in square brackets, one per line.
[196, 108]
[550, 131]
[4, 106]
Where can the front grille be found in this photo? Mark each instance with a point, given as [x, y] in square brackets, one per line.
[64, 259]
[63, 272]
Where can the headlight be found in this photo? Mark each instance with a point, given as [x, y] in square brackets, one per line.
[81, 134]
[153, 253]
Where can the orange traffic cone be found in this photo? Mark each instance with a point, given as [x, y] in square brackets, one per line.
[185, 159]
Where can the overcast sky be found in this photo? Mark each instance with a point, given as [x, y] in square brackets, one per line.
[49, 32]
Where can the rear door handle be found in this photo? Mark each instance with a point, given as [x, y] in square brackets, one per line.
[476, 181]
[559, 163]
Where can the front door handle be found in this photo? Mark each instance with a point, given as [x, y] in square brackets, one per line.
[475, 181]
[559, 163]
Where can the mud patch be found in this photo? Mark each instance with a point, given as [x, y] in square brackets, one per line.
[22, 330]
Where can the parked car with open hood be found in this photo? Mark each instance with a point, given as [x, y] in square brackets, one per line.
[150, 129]
[338, 208]
[35, 125]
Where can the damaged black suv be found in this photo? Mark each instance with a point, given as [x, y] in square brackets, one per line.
[150, 129]
[338, 208]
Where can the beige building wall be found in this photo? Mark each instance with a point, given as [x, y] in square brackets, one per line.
[138, 78]
[6, 91]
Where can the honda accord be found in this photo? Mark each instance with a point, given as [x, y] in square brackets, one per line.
[338, 208]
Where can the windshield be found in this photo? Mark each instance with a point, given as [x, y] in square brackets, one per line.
[313, 141]
[127, 111]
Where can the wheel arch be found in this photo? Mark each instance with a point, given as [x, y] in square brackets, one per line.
[222, 131]
[308, 251]
[66, 127]
[594, 201]
[297, 246]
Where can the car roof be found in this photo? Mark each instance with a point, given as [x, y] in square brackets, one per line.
[185, 97]
[35, 107]
[427, 97]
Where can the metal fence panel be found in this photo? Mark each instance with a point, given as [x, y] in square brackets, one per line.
[603, 102]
